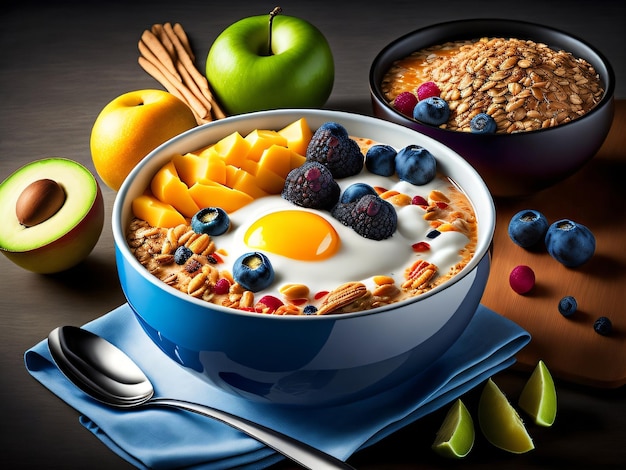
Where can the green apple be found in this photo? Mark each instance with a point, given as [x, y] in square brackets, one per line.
[52, 214]
[257, 64]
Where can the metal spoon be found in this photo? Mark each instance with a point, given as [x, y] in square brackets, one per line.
[107, 374]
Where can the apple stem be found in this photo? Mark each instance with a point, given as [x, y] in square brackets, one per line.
[273, 13]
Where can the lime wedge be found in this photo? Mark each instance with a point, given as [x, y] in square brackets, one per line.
[538, 397]
[455, 437]
[500, 423]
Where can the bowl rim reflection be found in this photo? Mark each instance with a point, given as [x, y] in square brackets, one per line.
[122, 202]
[445, 31]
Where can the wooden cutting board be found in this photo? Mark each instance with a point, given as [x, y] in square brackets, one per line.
[595, 197]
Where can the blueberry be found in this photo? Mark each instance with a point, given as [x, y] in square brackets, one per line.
[483, 123]
[253, 271]
[332, 146]
[416, 165]
[603, 326]
[528, 227]
[568, 306]
[432, 110]
[213, 221]
[570, 243]
[182, 254]
[309, 310]
[311, 185]
[380, 160]
[356, 191]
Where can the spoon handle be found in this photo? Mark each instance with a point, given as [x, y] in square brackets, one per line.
[298, 451]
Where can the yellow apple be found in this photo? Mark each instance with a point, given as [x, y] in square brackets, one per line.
[131, 126]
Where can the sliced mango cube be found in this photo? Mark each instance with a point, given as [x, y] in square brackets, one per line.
[211, 194]
[190, 167]
[298, 135]
[265, 178]
[277, 159]
[238, 178]
[155, 212]
[233, 149]
[261, 139]
[167, 187]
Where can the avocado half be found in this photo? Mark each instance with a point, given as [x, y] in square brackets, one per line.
[68, 236]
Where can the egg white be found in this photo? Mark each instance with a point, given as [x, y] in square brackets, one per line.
[357, 258]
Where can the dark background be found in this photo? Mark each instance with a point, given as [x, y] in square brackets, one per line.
[61, 62]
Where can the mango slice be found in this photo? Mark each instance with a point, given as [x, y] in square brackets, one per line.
[261, 139]
[298, 135]
[167, 187]
[155, 212]
[211, 194]
[233, 149]
[228, 174]
[190, 167]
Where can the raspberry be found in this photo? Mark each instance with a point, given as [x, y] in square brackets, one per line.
[222, 286]
[419, 201]
[311, 185]
[332, 147]
[405, 102]
[522, 279]
[427, 89]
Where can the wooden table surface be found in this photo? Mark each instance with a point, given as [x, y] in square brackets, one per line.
[63, 61]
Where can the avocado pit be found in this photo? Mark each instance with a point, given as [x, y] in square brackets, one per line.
[39, 201]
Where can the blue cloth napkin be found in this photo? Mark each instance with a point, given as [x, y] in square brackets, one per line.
[167, 438]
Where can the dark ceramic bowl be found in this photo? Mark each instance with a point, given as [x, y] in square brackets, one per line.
[511, 164]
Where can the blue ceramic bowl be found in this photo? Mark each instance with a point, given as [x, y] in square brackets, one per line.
[512, 164]
[304, 360]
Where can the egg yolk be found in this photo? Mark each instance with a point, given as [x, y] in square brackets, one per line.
[298, 235]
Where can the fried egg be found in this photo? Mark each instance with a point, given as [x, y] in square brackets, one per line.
[311, 247]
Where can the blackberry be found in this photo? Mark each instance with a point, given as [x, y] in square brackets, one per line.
[311, 185]
[343, 212]
[182, 254]
[374, 218]
[332, 146]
